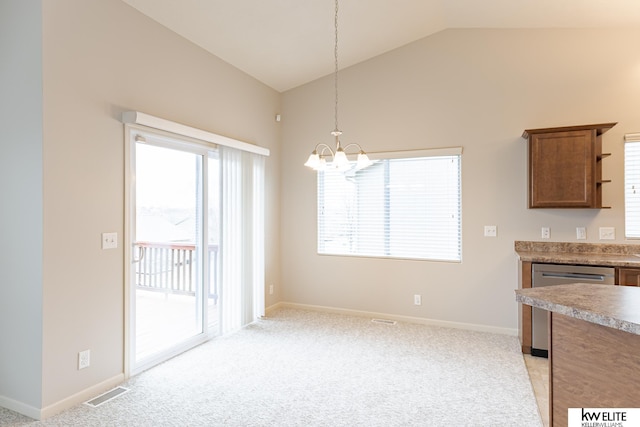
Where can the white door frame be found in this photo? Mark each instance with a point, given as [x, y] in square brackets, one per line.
[167, 139]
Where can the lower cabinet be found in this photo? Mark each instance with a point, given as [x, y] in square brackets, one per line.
[628, 276]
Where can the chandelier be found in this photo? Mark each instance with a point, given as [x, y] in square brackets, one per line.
[317, 159]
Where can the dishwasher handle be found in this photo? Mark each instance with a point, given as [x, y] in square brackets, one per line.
[571, 276]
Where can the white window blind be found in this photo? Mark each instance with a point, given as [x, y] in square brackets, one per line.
[397, 208]
[632, 185]
[242, 239]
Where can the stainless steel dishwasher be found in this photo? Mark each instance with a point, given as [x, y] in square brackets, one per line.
[557, 274]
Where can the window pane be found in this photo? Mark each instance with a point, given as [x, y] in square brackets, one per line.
[401, 208]
[632, 189]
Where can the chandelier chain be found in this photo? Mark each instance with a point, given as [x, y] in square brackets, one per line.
[317, 159]
[335, 54]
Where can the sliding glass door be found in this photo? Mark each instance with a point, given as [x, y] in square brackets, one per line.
[194, 239]
[174, 230]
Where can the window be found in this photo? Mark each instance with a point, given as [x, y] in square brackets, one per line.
[400, 207]
[632, 186]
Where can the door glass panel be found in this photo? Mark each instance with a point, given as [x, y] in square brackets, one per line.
[169, 284]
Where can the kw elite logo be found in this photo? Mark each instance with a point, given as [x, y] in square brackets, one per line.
[604, 417]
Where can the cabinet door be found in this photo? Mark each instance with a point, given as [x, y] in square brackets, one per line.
[629, 276]
[562, 169]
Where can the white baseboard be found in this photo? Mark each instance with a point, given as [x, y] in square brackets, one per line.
[273, 307]
[20, 407]
[82, 396]
[399, 318]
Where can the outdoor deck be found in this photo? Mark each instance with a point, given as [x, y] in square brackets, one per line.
[166, 305]
[162, 320]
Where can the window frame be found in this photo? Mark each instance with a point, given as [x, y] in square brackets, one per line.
[455, 253]
[631, 209]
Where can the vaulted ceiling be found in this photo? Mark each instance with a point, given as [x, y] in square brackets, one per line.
[286, 43]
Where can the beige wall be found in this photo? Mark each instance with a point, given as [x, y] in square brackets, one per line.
[21, 204]
[102, 58]
[475, 88]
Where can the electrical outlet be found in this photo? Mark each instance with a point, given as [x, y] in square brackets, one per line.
[109, 240]
[607, 233]
[417, 299]
[546, 233]
[490, 231]
[581, 233]
[84, 359]
[270, 289]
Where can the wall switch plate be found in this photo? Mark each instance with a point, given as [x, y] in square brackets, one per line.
[417, 300]
[84, 359]
[109, 240]
[545, 233]
[490, 231]
[270, 289]
[607, 233]
[581, 233]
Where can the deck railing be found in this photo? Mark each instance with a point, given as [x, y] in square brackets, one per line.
[171, 268]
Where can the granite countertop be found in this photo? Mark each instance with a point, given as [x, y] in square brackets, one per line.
[607, 305]
[614, 255]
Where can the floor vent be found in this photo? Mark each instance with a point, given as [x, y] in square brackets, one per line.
[105, 397]
[385, 321]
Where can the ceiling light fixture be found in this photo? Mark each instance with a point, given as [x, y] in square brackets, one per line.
[317, 159]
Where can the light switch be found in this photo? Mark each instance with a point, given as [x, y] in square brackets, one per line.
[109, 240]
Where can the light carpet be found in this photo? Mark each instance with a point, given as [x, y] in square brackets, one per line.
[307, 368]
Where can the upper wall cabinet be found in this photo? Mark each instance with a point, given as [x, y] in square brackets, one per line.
[565, 166]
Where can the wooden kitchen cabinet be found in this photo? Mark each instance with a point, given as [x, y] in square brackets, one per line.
[525, 328]
[628, 276]
[590, 365]
[565, 166]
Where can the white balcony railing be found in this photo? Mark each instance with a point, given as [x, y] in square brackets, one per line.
[171, 268]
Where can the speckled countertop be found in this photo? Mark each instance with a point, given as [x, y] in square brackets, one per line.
[608, 305]
[615, 255]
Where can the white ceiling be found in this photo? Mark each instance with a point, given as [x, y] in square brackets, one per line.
[286, 43]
